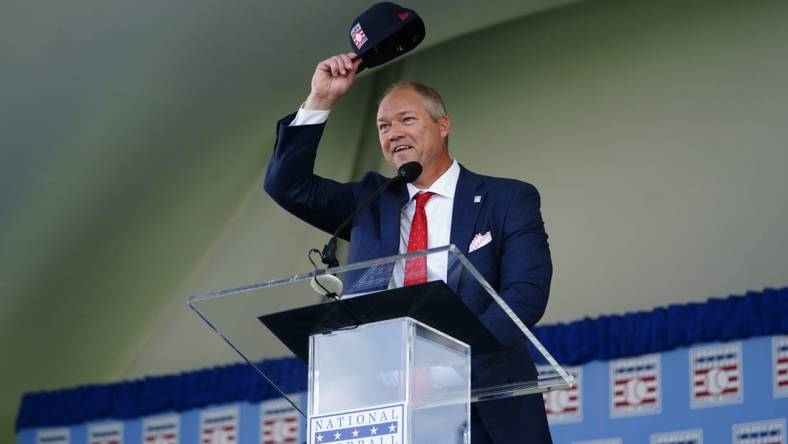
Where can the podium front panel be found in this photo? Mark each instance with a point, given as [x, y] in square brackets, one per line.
[396, 380]
[359, 367]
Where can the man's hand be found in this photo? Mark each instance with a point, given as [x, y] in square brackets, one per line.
[331, 80]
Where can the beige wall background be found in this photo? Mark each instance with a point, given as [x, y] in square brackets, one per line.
[657, 135]
[655, 131]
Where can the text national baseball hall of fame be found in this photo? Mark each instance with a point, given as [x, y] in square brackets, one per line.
[380, 425]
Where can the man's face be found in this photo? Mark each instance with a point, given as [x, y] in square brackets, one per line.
[407, 132]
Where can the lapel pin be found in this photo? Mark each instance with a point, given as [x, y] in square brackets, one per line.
[477, 199]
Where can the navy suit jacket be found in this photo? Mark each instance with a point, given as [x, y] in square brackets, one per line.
[516, 262]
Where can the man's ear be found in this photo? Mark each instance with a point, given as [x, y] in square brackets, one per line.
[445, 126]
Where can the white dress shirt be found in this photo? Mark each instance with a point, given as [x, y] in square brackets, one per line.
[310, 117]
[438, 208]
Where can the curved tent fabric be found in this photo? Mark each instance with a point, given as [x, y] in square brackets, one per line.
[604, 338]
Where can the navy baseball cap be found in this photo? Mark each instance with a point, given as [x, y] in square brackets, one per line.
[384, 32]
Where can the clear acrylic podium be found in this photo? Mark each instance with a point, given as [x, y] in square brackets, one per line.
[381, 358]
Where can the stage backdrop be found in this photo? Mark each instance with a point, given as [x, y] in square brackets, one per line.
[715, 372]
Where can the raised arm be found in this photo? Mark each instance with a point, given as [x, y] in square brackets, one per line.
[290, 180]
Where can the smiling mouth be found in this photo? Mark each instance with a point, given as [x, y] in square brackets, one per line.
[401, 148]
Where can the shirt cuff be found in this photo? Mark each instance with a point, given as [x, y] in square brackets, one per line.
[310, 117]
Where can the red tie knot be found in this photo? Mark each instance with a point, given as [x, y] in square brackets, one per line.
[422, 198]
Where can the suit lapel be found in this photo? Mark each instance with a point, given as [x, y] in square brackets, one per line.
[391, 203]
[464, 214]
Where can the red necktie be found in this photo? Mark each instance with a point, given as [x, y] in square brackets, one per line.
[416, 267]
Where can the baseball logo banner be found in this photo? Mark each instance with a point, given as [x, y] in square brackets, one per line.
[219, 426]
[563, 406]
[161, 430]
[678, 437]
[107, 433]
[635, 386]
[53, 436]
[780, 366]
[280, 423]
[760, 432]
[715, 375]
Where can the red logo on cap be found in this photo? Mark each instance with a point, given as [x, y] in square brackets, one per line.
[403, 15]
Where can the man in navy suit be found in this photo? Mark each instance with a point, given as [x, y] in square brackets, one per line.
[496, 222]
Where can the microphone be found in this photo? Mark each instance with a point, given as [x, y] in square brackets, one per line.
[409, 172]
[406, 173]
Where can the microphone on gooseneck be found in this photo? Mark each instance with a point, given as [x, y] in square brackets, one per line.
[405, 174]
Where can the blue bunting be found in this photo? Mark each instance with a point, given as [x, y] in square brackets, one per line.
[663, 329]
[133, 399]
